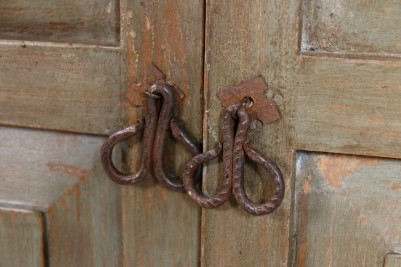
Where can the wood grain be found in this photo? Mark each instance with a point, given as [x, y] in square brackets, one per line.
[60, 175]
[61, 87]
[362, 27]
[161, 227]
[86, 22]
[21, 238]
[392, 260]
[347, 209]
[348, 106]
[333, 104]
[244, 39]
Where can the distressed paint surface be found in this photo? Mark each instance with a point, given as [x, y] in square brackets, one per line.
[62, 177]
[87, 22]
[161, 227]
[244, 39]
[334, 103]
[392, 260]
[61, 87]
[353, 222]
[347, 106]
[21, 238]
[361, 27]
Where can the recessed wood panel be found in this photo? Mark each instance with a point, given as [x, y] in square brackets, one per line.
[347, 106]
[362, 27]
[88, 22]
[160, 226]
[21, 238]
[60, 87]
[348, 209]
[60, 174]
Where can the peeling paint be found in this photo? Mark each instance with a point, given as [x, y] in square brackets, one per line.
[335, 168]
[395, 186]
[68, 169]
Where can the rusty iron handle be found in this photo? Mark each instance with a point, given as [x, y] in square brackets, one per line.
[234, 146]
[241, 145]
[227, 124]
[165, 121]
[156, 123]
[150, 122]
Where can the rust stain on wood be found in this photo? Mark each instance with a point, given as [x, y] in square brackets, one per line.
[335, 168]
[68, 169]
[135, 92]
[302, 241]
[263, 109]
[395, 186]
[306, 187]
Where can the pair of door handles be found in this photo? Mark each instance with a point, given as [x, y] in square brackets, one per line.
[235, 124]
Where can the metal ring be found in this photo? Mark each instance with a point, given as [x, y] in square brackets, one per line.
[241, 145]
[218, 199]
[165, 122]
[149, 134]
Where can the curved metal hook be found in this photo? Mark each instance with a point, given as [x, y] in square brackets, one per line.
[240, 146]
[166, 121]
[218, 199]
[149, 133]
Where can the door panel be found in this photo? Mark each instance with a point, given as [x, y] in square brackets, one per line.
[59, 86]
[69, 69]
[244, 39]
[348, 209]
[161, 227]
[59, 175]
[361, 27]
[348, 106]
[87, 22]
[330, 100]
[21, 238]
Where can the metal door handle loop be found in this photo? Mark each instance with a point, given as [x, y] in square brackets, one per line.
[241, 145]
[156, 124]
[226, 148]
[234, 146]
[164, 121]
[149, 123]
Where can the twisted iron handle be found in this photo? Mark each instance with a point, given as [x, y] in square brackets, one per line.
[233, 152]
[155, 125]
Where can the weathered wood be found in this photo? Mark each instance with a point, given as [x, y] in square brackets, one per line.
[363, 27]
[326, 104]
[392, 260]
[62, 87]
[161, 227]
[60, 174]
[21, 238]
[348, 106]
[347, 210]
[87, 22]
[244, 39]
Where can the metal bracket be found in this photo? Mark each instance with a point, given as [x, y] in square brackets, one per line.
[135, 93]
[263, 109]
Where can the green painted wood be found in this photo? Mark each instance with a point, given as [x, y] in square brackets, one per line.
[60, 87]
[347, 210]
[21, 238]
[87, 22]
[244, 39]
[347, 106]
[161, 227]
[344, 102]
[392, 260]
[60, 175]
[363, 27]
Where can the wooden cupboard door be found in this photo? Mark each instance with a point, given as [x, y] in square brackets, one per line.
[334, 70]
[65, 68]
